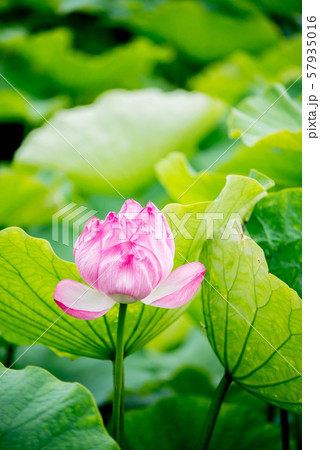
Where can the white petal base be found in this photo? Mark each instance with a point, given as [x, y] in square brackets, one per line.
[81, 301]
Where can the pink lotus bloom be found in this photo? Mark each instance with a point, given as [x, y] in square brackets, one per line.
[127, 258]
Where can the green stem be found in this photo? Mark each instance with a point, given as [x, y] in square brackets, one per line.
[217, 400]
[118, 374]
[122, 407]
[285, 435]
[298, 431]
[10, 355]
[271, 412]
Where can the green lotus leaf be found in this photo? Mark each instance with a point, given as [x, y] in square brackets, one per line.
[253, 320]
[274, 119]
[276, 225]
[114, 143]
[273, 141]
[278, 156]
[238, 74]
[40, 411]
[166, 424]
[193, 224]
[200, 33]
[29, 199]
[63, 70]
[184, 184]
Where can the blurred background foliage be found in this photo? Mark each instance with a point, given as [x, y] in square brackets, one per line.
[60, 61]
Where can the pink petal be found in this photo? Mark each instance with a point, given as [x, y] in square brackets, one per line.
[158, 248]
[81, 301]
[90, 232]
[178, 288]
[129, 270]
[86, 250]
[130, 209]
[111, 233]
[151, 233]
[167, 230]
[160, 225]
[97, 235]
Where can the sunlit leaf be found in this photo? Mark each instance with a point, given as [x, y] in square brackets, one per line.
[184, 184]
[119, 138]
[231, 78]
[30, 199]
[280, 159]
[274, 119]
[193, 224]
[14, 108]
[271, 128]
[276, 225]
[40, 411]
[253, 321]
[282, 62]
[265, 181]
[228, 79]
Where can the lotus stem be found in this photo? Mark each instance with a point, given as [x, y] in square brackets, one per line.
[217, 400]
[118, 374]
[9, 359]
[285, 435]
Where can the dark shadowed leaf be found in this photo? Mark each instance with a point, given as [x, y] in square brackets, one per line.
[64, 70]
[175, 423]
[199, 33]
[276, 225]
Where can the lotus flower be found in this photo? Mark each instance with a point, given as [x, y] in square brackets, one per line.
[127, 258]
